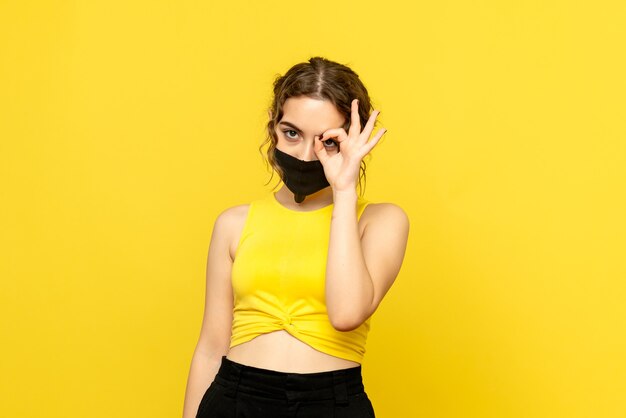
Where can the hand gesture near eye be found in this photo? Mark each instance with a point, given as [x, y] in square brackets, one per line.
[342, 168]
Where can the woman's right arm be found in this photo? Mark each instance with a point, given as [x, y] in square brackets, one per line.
[214, 340]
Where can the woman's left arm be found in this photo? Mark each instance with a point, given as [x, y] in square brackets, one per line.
[359, 272]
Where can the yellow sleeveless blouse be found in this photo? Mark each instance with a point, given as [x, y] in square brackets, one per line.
[278, 279]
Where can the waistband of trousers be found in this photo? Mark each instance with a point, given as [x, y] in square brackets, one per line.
[337, 384]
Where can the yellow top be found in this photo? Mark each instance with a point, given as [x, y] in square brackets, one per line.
[278, 279]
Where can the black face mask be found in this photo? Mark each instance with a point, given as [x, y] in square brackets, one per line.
[301, 177]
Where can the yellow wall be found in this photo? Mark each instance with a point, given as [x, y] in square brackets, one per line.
[126, 127]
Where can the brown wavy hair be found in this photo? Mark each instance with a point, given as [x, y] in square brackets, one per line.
[321, 79]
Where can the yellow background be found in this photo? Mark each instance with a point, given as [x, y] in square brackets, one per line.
[127, 126]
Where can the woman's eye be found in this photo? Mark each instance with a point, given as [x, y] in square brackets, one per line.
[287, 133]
[330, 143]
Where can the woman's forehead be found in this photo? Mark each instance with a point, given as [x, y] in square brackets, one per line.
[309, 114]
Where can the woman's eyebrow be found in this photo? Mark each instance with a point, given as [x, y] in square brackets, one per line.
[284, 122]
[291, 125]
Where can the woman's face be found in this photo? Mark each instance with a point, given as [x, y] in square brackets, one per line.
[303, 119]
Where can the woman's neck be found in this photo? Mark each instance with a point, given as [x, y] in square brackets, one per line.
[313, 201]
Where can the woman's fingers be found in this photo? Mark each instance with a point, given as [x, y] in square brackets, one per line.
[355, 120]
[369, 126]
[360, 138]
[338, 133]
[320, 150]
[371, 144]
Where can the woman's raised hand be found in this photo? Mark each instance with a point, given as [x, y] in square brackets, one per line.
[342, 169]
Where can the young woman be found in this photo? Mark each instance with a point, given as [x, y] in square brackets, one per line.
[294, 277]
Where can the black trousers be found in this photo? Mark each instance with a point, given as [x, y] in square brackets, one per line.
[241, 391]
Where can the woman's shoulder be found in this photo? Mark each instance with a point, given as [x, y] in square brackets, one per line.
[237, 214]
[229, 224]
[233, 215]
[384, 212]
